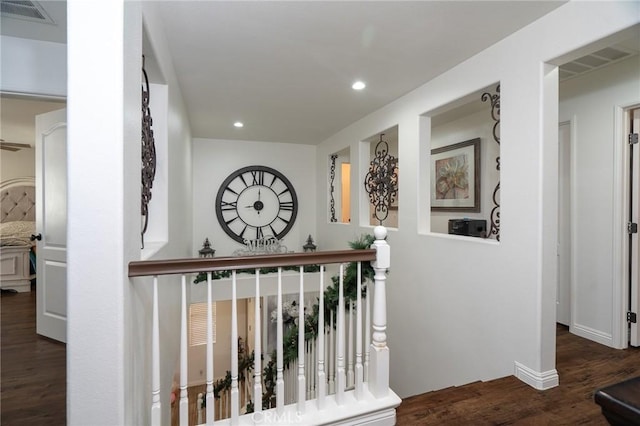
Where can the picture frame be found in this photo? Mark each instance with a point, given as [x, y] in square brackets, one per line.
[455, 177]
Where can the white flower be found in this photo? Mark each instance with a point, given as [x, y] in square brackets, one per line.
[289, 312]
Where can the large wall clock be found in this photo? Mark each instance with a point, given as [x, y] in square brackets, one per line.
[256, 202]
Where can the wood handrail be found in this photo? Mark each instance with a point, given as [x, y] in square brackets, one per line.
[184, 266]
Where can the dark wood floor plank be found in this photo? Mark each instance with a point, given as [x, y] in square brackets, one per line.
[32, 368]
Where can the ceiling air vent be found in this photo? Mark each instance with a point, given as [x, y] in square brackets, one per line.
[592, 61]
[27, 10]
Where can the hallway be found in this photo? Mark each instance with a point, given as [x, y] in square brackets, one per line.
[583, 366]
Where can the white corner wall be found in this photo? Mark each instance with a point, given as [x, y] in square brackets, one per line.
[109, 314]
[461, 310]
[214, 160]
[97, 350]
[589, 103]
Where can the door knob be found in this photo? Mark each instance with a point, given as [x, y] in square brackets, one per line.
[36, 237]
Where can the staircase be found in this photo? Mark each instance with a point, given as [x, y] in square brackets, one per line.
[334, 370]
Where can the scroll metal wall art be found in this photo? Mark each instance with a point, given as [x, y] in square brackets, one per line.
[494, 99]
[332, 173]
[381, 182]
[148, 154]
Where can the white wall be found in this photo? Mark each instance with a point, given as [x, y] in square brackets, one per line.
[34, 66]
[479, 310]
[214, 160]
[109, 314]
[17, 164]
[98, 203]
[589, 102]
[476, 125]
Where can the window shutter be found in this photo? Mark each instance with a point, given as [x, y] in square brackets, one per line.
[198, 323]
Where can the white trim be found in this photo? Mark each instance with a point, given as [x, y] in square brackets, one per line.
[592, 334]
[619, 249]
[539, 380]
[621, 204]
[573, 217]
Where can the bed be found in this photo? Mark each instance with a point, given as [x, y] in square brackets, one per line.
[17, 224]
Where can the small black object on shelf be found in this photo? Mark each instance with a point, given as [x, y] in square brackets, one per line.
[468, 227]
[309, 247]
[206, 250]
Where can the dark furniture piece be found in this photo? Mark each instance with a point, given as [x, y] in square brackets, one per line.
[468, 227]
[620, 402]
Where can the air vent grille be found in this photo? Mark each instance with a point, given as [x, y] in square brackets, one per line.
[593, 61]
[27, 10]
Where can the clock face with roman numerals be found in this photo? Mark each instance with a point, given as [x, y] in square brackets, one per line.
[256, 202]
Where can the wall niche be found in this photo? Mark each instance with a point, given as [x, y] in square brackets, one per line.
[464, 165]
[340, 186]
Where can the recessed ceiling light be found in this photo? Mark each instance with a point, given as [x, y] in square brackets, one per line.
[358, 85]
[238, 124]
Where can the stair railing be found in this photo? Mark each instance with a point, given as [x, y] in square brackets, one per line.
[360, 378]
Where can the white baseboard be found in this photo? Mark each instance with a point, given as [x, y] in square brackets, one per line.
[539, 380]
[592, 334]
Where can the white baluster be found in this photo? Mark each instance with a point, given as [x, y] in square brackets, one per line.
[322, 380]
[332, 358]
[257, 362]
[210, 400]
[279, 355]
[367, 330]
[156, 406]
[379, 367]
[235, 396]
[350, 342]
[302, 384]
[309, 367]
[184, 358]
[199, 408]
[340, 373]
[359, 372]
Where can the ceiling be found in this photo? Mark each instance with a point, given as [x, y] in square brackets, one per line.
[285, 68]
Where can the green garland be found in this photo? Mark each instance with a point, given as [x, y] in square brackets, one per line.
[218, 275]
[290, 338]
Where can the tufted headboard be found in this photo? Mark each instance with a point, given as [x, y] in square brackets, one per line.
[18, 200]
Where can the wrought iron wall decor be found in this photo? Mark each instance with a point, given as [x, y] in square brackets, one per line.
[381, 182]
[494, 99]
[148, 154]
[332, 174]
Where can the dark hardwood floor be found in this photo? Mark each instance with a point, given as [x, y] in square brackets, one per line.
[33, 382]
[583, 367]
[33, 375]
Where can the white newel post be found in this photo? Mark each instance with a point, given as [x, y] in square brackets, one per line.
[379, 358]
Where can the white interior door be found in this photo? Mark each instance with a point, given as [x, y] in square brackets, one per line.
[51, 224]
[563, 296]
[634, 296]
